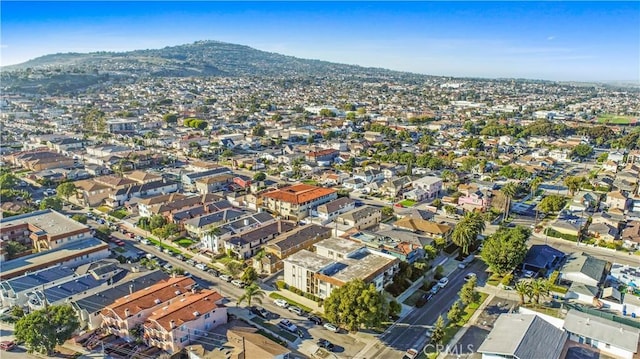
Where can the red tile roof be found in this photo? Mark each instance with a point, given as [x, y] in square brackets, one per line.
[299, 193]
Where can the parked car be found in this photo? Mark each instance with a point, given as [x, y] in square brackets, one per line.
[443, 282]
[296, 310]
[238, 283]
[469, 276]
[144, 241]
[316, 319]
[201, 266]
[331, 327]
[213, 272]
[323, 343]
[287, 325]
[226, 278]
[279, 302]
[7, 345]
[434, 290]
[261, 312]
[180, 257]
[190, 262]
[411, 354]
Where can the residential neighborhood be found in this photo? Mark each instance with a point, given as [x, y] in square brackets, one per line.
[254, 217]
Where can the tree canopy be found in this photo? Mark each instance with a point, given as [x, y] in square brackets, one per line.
[582, 150]
[356, 304]
[54, 203]
[505, 249]
[66, 189]
[552, 203]
[42, 330]
[170, 118]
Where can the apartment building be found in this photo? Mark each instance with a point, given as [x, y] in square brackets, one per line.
[335, 262]
[295, 202]
[133, 309]
[288, 243]
[173, 326]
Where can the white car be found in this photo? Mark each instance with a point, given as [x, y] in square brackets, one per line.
[201, 266]
[469, 276]
[331, 327]
[144, 241]
[281, 303]
[443, 282]
[238, 283]
[226, 278]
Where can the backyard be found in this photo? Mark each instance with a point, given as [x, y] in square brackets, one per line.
[407, 203]
[184, 242]
[616, 119]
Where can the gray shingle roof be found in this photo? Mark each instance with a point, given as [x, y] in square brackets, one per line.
[603, 330]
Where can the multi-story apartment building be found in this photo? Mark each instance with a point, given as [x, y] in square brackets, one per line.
[295, 202]
[335, 262]
[132, 310]
[173, 326]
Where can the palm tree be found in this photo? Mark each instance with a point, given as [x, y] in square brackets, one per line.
[509, 191]
[477, 221]
[252, 292]
[464, 235]
[523, 288]
[535, 183]
[539, 287]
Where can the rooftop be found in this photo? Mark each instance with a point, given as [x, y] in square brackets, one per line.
[186, 309]
[311, 261]
[603, 330]
[51, 223]
[299, 193]
[339, 245]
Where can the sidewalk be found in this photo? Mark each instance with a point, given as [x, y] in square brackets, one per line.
[299, 299]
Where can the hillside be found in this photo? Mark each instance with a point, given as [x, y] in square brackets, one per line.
[71, 71]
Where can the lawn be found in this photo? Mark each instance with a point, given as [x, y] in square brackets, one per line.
[494, 280]
[407, 202]
[310, 182]
[184, 242]
[615, 119]
[119, 213]
[291, 302]
[104, 209]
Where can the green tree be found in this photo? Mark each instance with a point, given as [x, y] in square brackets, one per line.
[394, 308]
[467, 230]
[42, 330]
[157, 221]
[260, 176]
[468, 293]
[170, 118]
[539, 287]
[582, 150]
[66, 190]
[276, 117]
[438, 331]
[13, 248]
[523, 288]
[166, 231]
[505, 249]
[455, 312]
[325, 112]
[534, 184]
[234, 268]
[249, 275]
[252, 292]
[227, 153]
[54, 203]
[509, 191]
[574, 183]
[258, 131]
[150, 264]
[356, 304]
[387, 211]
[8, 180]
[430, 252]
[79, 218]
[552, 203]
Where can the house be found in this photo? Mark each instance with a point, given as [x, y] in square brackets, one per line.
[617, 200]
[428, 228]
[631, 235]
[523, 336]
[542, 258]
[133, 309]
[603, 232]
[247, 244]
[330, 210]
[583, 293]
[296, 201]
[585, 269]
[199, 226]
[335, 262]
[175, 325]
[14, 291]
[88, 308]
[368, 176]
[353, 183]
[610, 337]
[430, 184]
[570, 227]
[393, 186]
[361, 218]
[324, 157]
[583, 201]
[416, 194]
[289, 243]
[214, 183]
[478, 200]
[119, 196]
[189, 179]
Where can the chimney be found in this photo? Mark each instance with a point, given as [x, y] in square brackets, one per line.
[172, 324]
[246, 222]
[127, 313]
[130, 288]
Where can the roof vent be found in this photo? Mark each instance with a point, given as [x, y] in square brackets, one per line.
[197, 314]
[177, 292]
[157, 301]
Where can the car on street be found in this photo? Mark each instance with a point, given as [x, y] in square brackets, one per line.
[7, 345]
[315, 319]
[428, 296]
[331, 327]
[434, 290]
[201, 266]
[144, 241]
[238, 283]
[411, 354]
[190, 262]
[261, 312]
[226, 278]
[288, 326]
[213, 272]
[279, 302]
[323, 343]
[469, 276]
[180, 257]
[296, 310]
[443, 282]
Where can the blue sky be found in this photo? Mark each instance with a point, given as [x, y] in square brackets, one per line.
[583, 41]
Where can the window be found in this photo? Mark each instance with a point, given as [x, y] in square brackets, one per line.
[184, 339]
[206, 316]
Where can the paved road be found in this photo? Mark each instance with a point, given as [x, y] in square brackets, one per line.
[412, 330]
